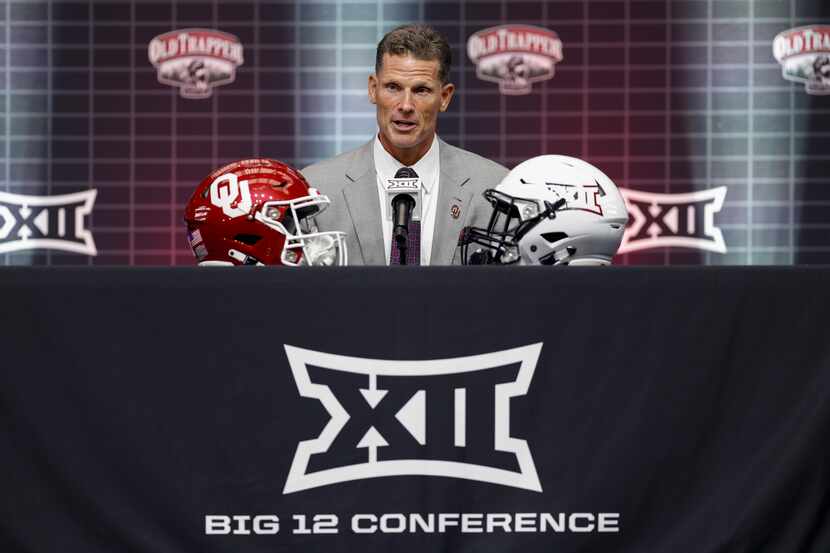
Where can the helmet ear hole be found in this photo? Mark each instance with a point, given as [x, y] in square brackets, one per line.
[554, 236]
[248, 239]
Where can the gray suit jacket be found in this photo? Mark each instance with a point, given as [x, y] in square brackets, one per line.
[350, 182]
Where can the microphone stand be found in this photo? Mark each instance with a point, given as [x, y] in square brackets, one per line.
[402, 206]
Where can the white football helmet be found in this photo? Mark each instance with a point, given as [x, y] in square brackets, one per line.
[549, 210]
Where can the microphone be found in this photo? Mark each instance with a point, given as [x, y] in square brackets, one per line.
[405, 187]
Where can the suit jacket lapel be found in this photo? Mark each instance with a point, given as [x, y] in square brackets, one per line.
[361, 197]
[451, 207]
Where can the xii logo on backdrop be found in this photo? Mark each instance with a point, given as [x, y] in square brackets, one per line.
[673, 220]
[438, 417]
[46, 222]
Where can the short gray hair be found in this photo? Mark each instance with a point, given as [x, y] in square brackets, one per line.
[422, 41]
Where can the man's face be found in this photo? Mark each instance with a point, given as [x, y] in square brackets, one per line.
[408, 96]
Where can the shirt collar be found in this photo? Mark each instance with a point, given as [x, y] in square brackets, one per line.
[386, 165]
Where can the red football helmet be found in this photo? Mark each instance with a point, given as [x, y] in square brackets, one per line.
[260, 212]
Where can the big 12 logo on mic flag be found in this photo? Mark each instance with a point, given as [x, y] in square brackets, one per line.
[437, 417]
[46, 222]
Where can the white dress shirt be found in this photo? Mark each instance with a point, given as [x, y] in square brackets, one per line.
[428, 169]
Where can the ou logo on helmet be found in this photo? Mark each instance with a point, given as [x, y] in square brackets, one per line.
[233, 196]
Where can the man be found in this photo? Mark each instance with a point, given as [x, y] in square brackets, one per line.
[410, 87]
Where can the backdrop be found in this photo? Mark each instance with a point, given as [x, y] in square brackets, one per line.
[713, 114]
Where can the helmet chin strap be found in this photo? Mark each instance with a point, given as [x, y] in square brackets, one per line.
[589, 262]
[243, 259]
[562, 255]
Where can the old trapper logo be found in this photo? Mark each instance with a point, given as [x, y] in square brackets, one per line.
[673, 220]
[46, 222]
[438, 417]
[515, 56]
[804, 55]
[195, 60]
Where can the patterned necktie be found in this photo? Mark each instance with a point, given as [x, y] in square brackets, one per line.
[413, 246]
[413, 230]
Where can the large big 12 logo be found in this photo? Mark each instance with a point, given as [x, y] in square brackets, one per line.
[436, 417]
[46, 222]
